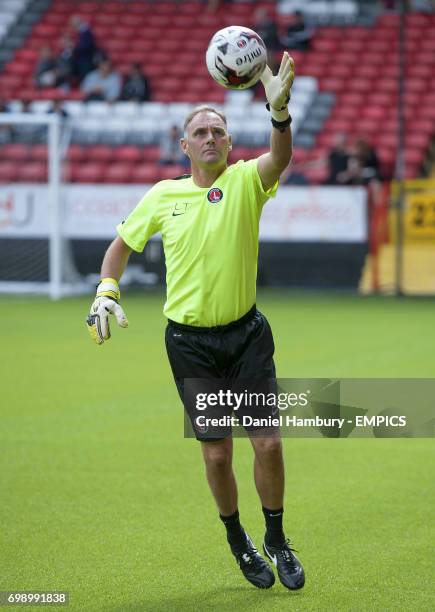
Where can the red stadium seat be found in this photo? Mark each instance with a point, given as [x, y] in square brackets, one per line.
[366, 71]
[387, 140]
[99, 153]
[373, 111]
[347, 111]
[33, 172]
[51, 94]
[171, 172]
[119, 172]
[337, 125]
[15, 152]
[20, 67]
[343, 71]
[413, 156]
[242, 153]
[87, 173]
[8, 172]
[145, 173]
[151, 154]
[128, 154]
[325, 45]
[38, 153]
[317, 176]
[47, 30]
[361, 84]
[382, 99]
[75, 153]
[417, 141]
[116, 45]
[107, 19]
[366, 126]
[351, 45]
[354, 98]
[335, 85]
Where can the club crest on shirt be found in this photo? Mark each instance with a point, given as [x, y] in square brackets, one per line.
[215, 195]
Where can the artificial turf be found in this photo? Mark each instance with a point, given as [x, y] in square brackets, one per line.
[101, 495]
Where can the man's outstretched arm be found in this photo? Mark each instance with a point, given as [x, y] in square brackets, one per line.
[108, 295]
[277, 88]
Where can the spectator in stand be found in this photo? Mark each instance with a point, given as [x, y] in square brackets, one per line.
[338, 160]
[57, 108]
[267, 29]
[170, 149]
[353, 175]
[103, 84]
[46, 69]
[368, 160]
[65, 62]
[85, 48]
[136, 87]
[5, 129]
[298, 35]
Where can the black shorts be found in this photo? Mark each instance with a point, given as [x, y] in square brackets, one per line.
[237, 356]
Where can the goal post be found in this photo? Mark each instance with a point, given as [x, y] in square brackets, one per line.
[52, 269]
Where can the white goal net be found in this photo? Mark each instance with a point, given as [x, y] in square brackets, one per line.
[34, 252]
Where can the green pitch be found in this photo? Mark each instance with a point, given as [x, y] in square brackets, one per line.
[102, 496]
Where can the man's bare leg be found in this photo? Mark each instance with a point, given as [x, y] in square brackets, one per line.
[269, 471]
[218, 458]
[269, 480]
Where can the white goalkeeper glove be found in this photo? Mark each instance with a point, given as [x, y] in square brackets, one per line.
[106, 302]
[277, 88]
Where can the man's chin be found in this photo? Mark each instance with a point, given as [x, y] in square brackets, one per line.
[213, 158]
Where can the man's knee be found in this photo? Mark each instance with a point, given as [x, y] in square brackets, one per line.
[218, 456]
[268, 447]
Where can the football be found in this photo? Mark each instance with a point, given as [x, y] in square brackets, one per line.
[236, 57]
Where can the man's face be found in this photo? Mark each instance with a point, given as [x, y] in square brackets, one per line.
[104, 69]
[207, 142]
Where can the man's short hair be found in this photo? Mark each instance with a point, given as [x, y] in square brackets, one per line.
[201, 109]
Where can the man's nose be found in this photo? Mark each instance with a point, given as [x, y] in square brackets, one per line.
[210, 136]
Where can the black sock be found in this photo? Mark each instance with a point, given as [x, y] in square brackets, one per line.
[235, 532]
[274, 532]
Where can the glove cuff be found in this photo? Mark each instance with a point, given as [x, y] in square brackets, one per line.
[109, 287]
[279, 114]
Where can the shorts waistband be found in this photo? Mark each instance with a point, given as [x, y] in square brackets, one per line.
[217, 328]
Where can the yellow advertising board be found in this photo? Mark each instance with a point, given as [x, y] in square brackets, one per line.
[419, 210]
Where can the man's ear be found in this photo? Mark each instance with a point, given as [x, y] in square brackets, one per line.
[230, 143]
[183, 145]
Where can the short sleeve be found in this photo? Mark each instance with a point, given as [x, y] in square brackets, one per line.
[141, 223]
[261, 195]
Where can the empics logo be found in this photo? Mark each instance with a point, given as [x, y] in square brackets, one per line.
[215, 195]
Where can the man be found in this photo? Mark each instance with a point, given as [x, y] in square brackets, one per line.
[137, 87]
[298, 35]
[103, 84]
[170, 150]
[338, 159]
[209, 221]
[85, 48]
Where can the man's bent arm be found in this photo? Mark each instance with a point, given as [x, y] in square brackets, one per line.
[115, 259]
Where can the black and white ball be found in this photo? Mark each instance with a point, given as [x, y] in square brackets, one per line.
[236, 57]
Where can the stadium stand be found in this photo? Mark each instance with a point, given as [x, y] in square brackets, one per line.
[346, 82]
